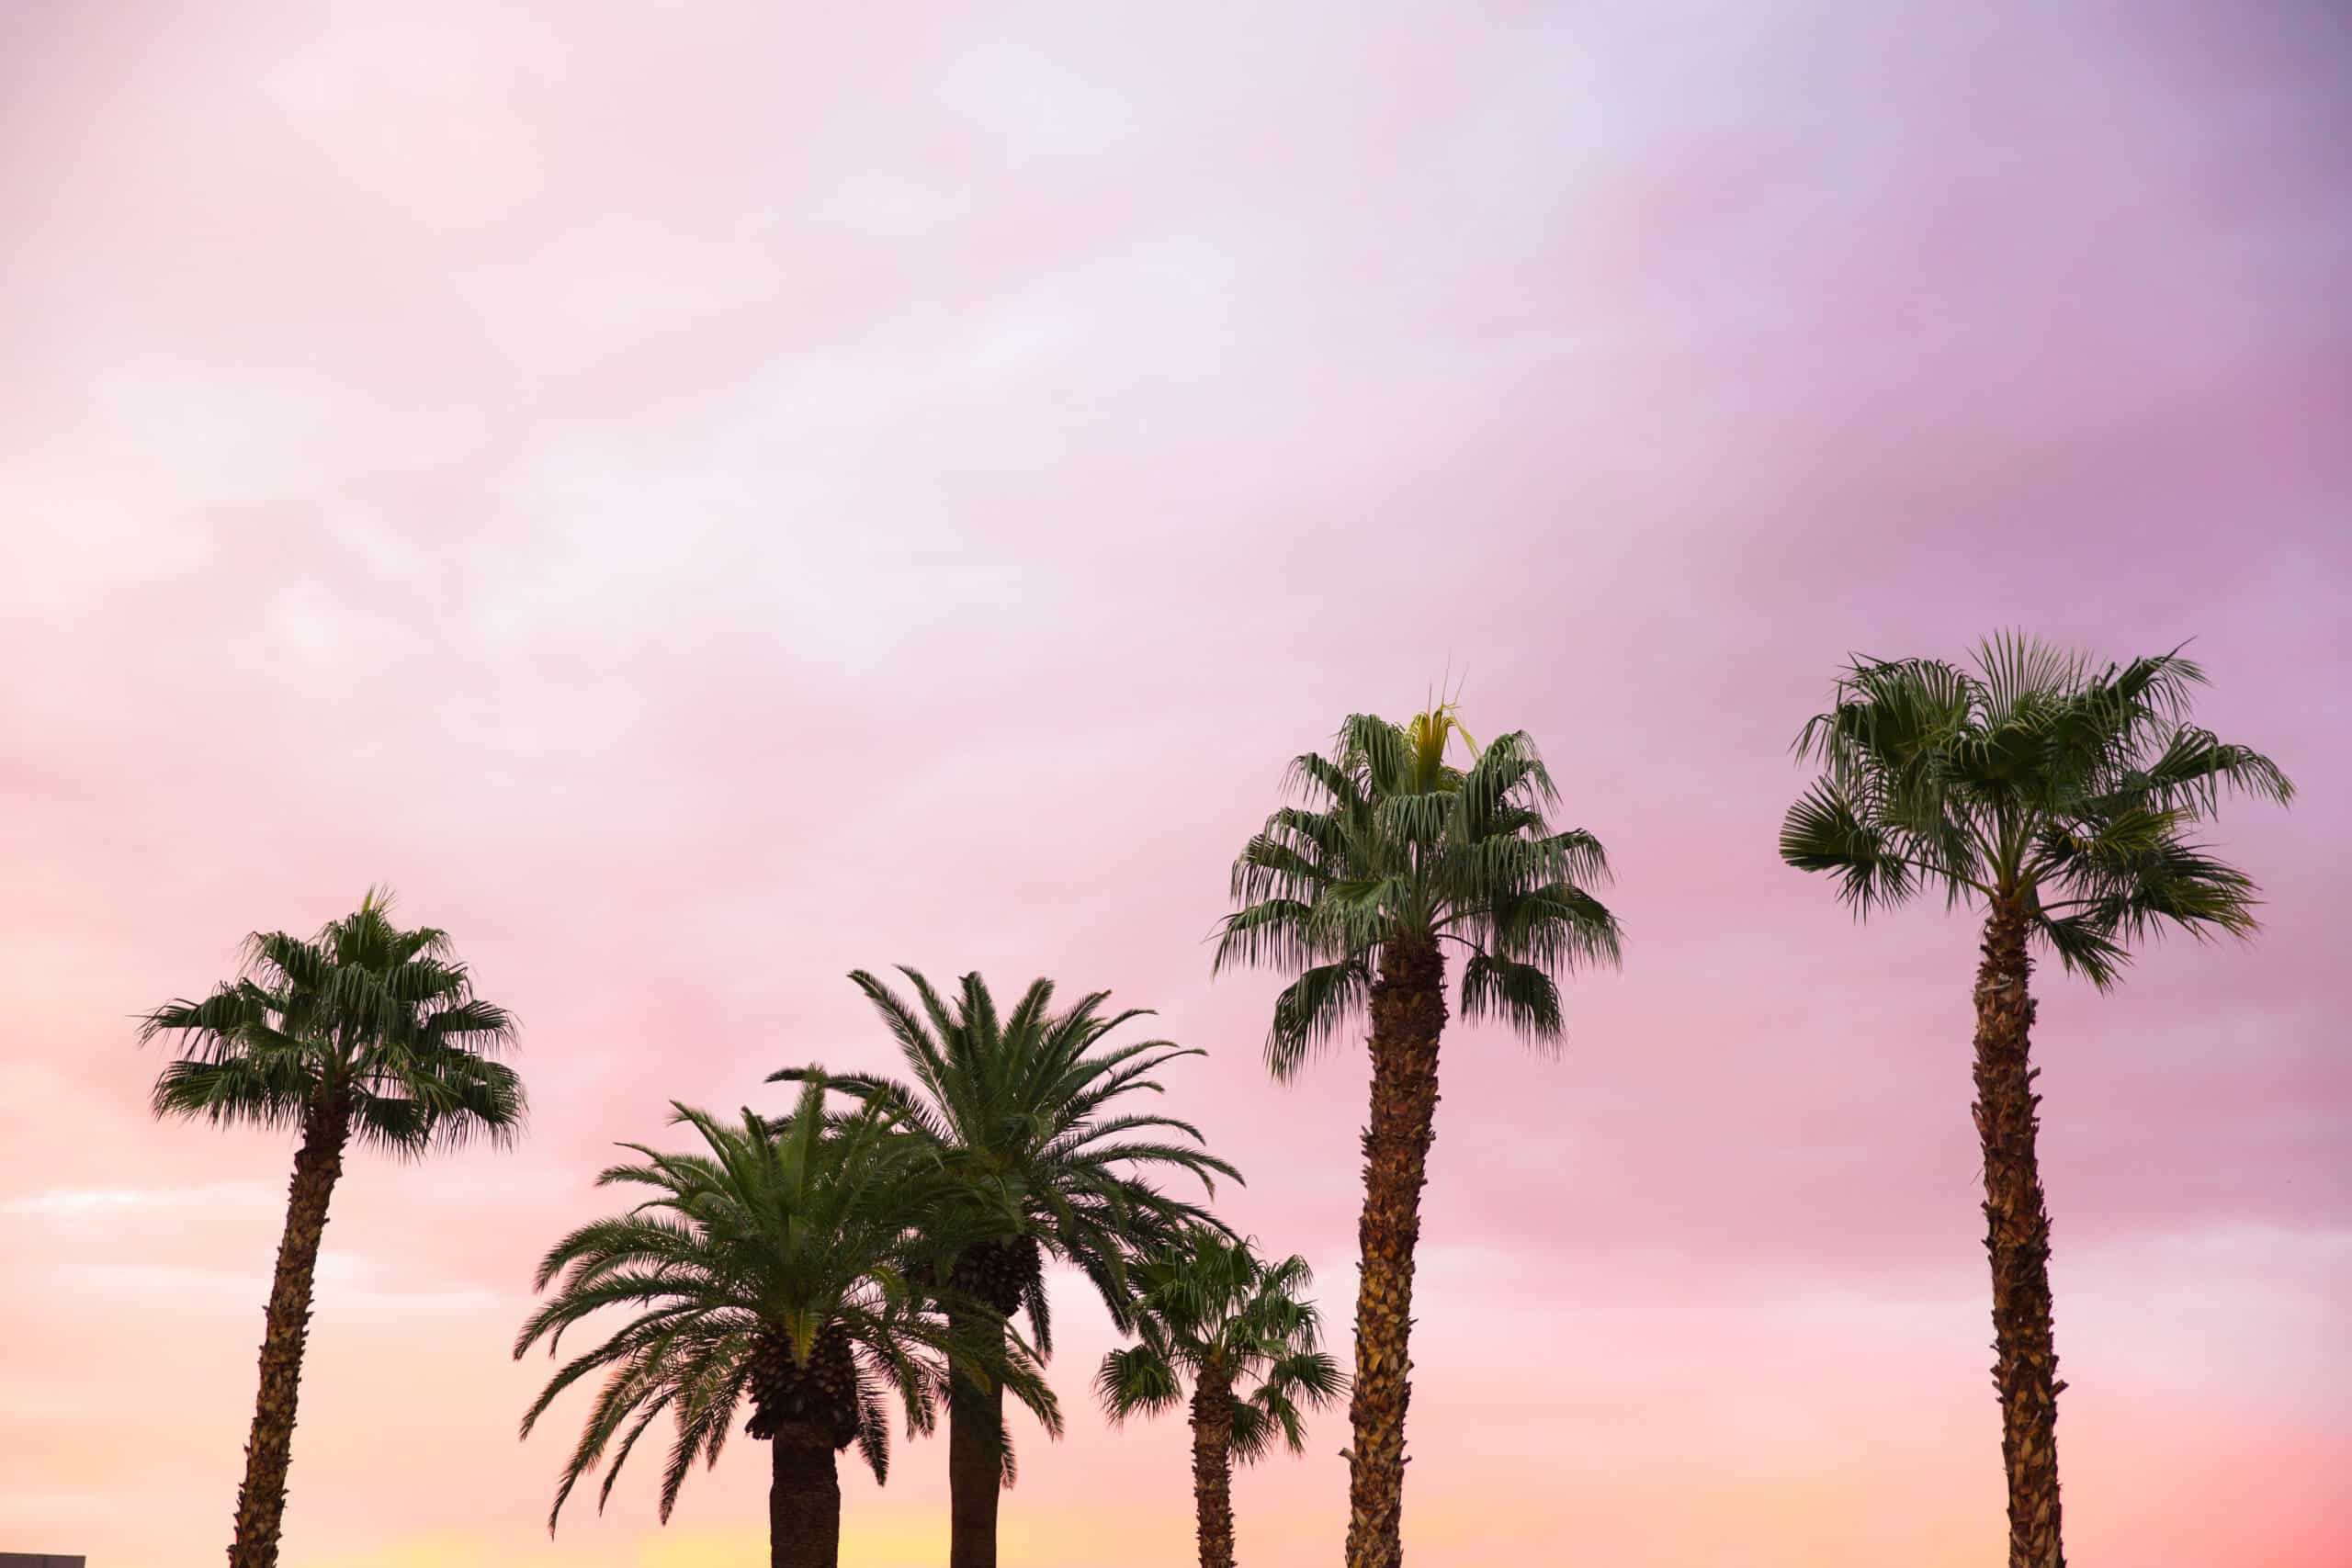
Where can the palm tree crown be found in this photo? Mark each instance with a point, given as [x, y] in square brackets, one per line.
[1396, 845]
[2036, 783]
[1213, 1314]
[376, 1022]
[1019, 1110]
[770, 1269]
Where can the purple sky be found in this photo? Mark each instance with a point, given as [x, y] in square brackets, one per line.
[703, 504]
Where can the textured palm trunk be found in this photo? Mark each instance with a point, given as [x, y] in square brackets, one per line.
[1408, 1015]
[804, 1500]
[261, 1501]
[975, 1470]
[2017, 1238]
[1213, 1470]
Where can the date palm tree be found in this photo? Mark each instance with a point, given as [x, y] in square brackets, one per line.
[1396, 855]
[1027, 1112]
[2060, 799]
[1215, 1316]
[769, 1269]
[365, 1031]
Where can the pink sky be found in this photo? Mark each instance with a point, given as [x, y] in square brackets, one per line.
[703, 504]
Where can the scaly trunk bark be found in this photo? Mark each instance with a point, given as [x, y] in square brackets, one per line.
[1213, 1469]
[1408, 1015]
[2016, 1239]
[975, 1470]
[261, 1501]
[804, 1500]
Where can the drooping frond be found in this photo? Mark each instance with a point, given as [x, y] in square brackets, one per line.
[1137, 1382]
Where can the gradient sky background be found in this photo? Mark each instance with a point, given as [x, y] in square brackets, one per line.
[701, 503]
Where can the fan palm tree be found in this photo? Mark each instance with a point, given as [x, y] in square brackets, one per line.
[1216, 1316]
[365, 1031]
[768, 1269]
[1024, 1114]
[2059, 797]
[1397, 854]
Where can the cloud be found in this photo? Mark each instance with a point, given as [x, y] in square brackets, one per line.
[87, 1203]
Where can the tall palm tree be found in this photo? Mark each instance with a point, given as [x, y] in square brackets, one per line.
[365, 1031]
[1216, 1315]
[770, 1269]
[1397, 854]
[2061, 798]
[1023, 1110]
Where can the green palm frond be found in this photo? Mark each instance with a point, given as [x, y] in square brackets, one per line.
[1825, 832]
[1137, 1380]
[1313, 1009]
[1521, 995]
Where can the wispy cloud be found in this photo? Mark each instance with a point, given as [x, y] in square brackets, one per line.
[95, 1202]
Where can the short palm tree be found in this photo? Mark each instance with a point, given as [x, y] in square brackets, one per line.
[1214, 1315]
[1024, 1111]
[2060, 798]
[1395, 855]
[363, 1031]
[769, 1269]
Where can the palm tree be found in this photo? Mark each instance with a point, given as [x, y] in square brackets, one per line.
[1020, 1111]
[1397, 854]
[366, 1032]
[769, 1269]
[1216, 1315]
[2061, 798]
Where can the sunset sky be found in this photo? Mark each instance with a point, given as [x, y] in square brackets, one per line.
[701, 501]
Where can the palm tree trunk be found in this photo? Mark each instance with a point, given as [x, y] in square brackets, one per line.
[2017, 1238]
[261, 1501]
[975, 1467]
[1408, 1014]
[1213, 1470]
[804, 1500]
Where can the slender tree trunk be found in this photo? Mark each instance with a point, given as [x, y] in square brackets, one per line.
[1408, 1014]
[1213, 1469]
[804, 1500]
[975, 1470]
[261, 1501]
[2017, 1238]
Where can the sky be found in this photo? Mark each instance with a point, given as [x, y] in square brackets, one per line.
[702, 504]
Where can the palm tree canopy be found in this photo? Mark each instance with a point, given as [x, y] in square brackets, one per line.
[1213, 1309]
[769, 1268]
[1393, 843]
[1020, 1111]
[379, 1022]
[2033, 780]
